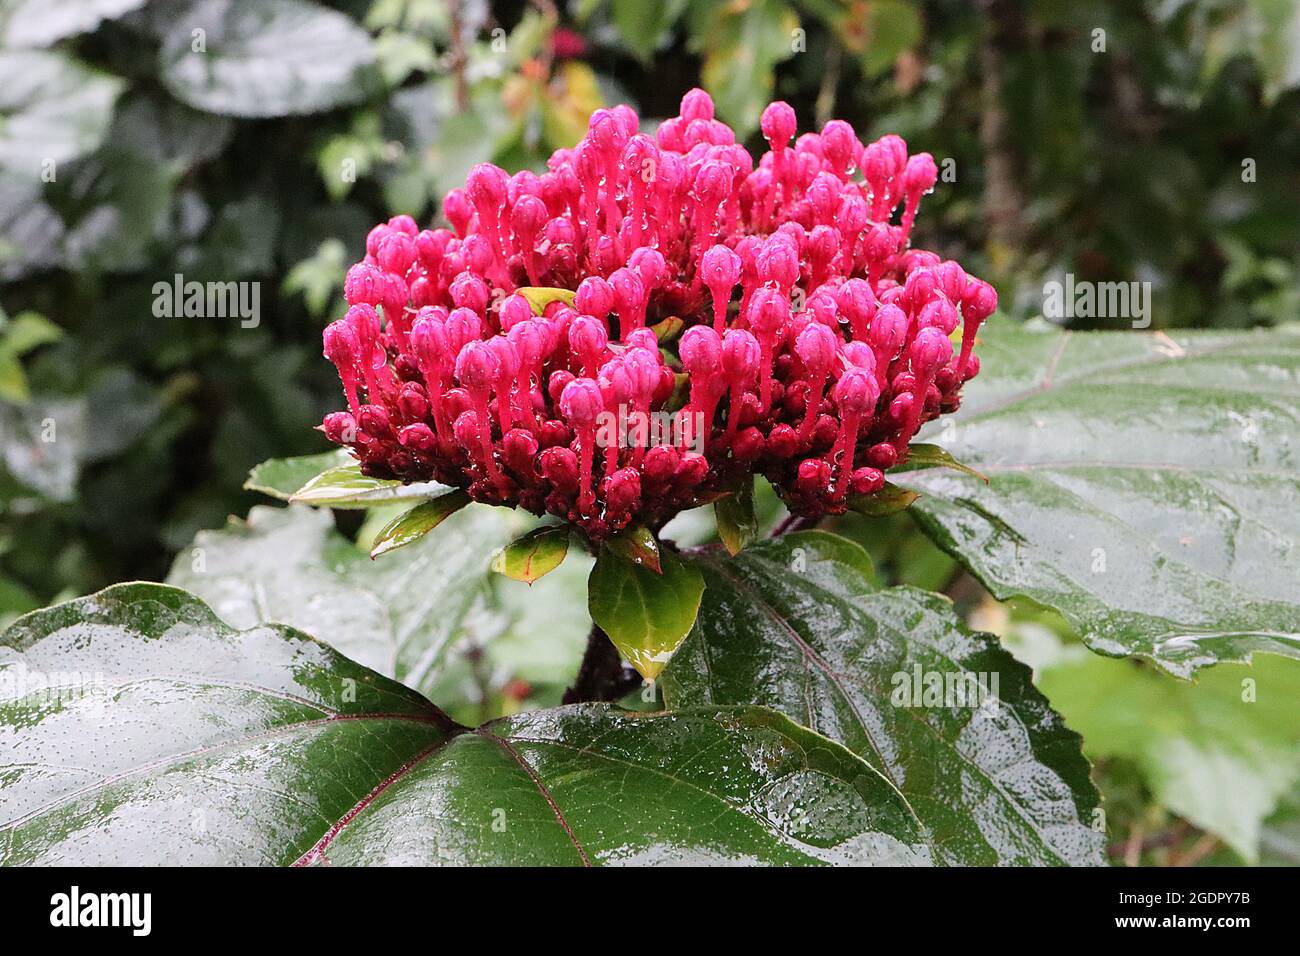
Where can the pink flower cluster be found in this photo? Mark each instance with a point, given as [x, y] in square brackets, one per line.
[816, 340]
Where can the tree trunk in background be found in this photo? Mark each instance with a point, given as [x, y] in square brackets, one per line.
[1003, 32]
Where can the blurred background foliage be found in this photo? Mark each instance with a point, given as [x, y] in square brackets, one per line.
[1150, 140]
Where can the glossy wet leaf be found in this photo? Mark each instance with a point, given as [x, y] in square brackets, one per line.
[195, 743]
[1147, 487]
[797, 624]
[536, 554]
[281, 477]
[737, 522]
[402, 615]
[264, 58]
[637, 544]
[1220, 753]
[411, 526]
[646, 615]
[539, 297]
[889, 500]
[922, 455]
[344, 486]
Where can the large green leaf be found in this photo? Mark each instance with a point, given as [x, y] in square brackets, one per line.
[200, 744]
[798, 625]
[1147, 487]
[262, 58]
[399, 615]
[1220, 753]
[28, 23]
[52, 110]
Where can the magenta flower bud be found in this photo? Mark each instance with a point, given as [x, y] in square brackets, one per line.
[778, 124]
[740, 357]
[466, 429]
[696, 105]
[701, 351]
[519, 448]
[418, 436]
[888, 330]
[468, 291]
[412, 402]
[528, 216]
[815, 347]
[858, 303]
[858, 355]
[532, 340]
[623, 491]
[588, 340]
[629, 300]
[650, 265]
[515, 310]
[920, 174]
[856, 392]
[477, 366]
[373, 420]
[660, 463]
[768, 312]
[866, 481]
[720, 268]
[429, 341]
[594, 297]
[952, 280]
[838, 142]
[556, 383]
[487, 187]
[939, 314]
[712, 183]
[930, 349]
[778, 262]
[341, 345]
[581, 402]
[560, 467]
[644, 340]
[458, 211]
[607, 132]
[340, 428]
[396, 252]
[980, 301]
[462, 325]
[364, 283]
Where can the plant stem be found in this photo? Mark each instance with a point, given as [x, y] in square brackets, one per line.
[793, 523]
[602, 674]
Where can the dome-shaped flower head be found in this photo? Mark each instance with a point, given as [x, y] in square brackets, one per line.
[483, 356]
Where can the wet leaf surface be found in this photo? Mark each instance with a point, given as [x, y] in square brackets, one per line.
[646, 614]
[1144, 486]
[201, 744]
[400, 615]
[797, 624]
